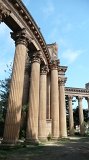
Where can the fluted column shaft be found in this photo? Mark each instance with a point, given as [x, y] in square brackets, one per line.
[54, 101]
[13, 116]
[48, 96]
[32, 123]
[62, 109]
[42, 104]
[81, 116]
[26, 82]
[71, 120]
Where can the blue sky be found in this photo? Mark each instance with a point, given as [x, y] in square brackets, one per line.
[65, 22]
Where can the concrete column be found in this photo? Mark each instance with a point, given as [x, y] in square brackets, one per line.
[62, 109]
[42, 104]
[48, 96]
[13, 116]
[81, 116]
[71, 120]
[32, 122]
[54, 99]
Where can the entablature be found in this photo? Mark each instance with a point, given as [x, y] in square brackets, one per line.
[21, 18]
[77, 92]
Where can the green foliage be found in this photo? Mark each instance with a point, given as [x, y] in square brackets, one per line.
[4, 93]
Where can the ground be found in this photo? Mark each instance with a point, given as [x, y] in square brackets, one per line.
[73, 149]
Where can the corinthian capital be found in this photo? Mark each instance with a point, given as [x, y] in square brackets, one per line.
[70, 97]
[44, 69]
[54, 64]
[37, 56]
[20, 37]
[4, 12]
[62, 81]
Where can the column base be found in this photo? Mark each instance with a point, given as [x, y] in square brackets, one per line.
[55, 138]
[42, 139]
[9, 142]
[32, 141]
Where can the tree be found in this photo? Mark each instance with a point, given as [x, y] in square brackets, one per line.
[4, 93]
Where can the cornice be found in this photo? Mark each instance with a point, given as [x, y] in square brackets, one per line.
[25, 14]
[79, 90]
[62, 69]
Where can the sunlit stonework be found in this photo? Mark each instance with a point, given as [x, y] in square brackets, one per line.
[38, 80]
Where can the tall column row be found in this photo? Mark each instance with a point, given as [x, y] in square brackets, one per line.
[81, 116]
[39, 86]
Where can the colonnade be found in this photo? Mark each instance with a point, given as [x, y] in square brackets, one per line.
[81, 116]
[46, 100]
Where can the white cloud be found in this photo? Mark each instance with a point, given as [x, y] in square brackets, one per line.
[71, 55]
[48, 9]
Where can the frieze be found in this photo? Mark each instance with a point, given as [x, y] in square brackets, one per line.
[26, 16]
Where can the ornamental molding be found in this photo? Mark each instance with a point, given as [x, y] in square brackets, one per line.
[4, 12]
[76, 92]
[21, 37]
[62, 81]
[44, 69]
[37, 57]
[54, 64]
[62, 69]
[19, 7]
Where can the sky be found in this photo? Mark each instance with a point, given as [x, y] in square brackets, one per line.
[65, 22]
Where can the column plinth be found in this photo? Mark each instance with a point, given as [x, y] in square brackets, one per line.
[13, 116]
[71, 120]
[81, 116]
[62, 109]
[42, 104]
[54, 99]
[32, 122]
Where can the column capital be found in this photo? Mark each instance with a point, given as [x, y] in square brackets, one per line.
[44, 70]
[4, 12]
[20, 37]
[37, 56]
[54, 64]
[79, 98]
[62, 81]
[70, 97]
